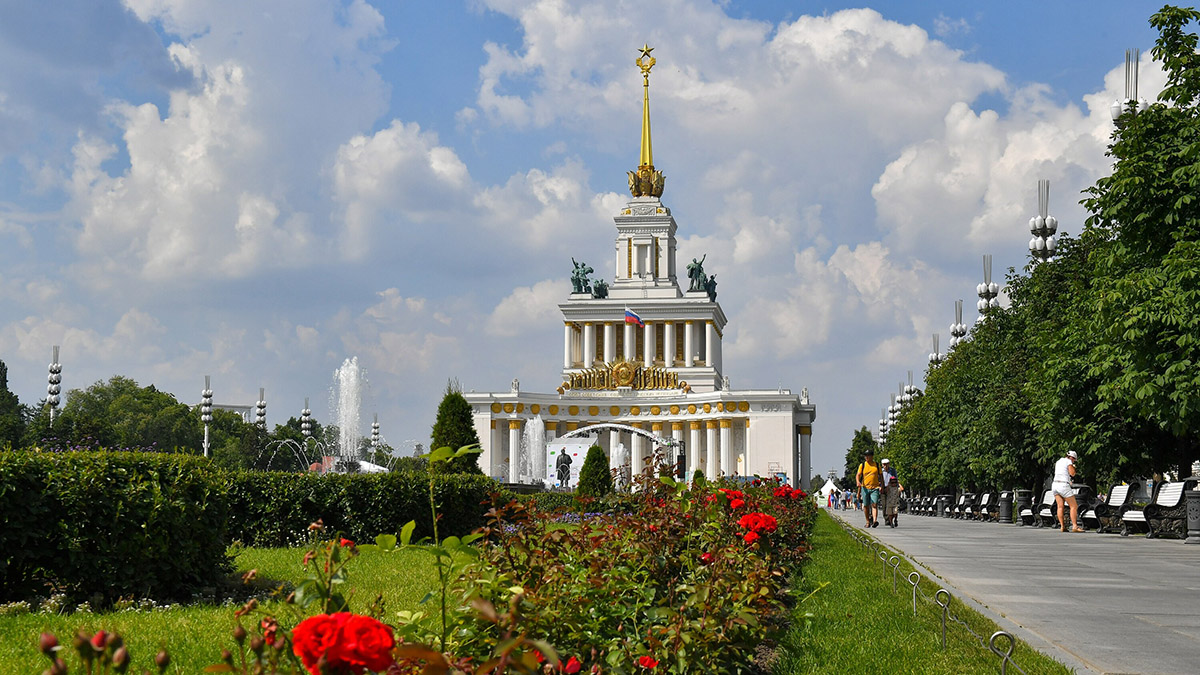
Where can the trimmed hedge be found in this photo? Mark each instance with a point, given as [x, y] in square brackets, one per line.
[111, 524]
[275, 509]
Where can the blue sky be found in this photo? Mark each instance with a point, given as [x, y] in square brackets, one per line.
[258, 191]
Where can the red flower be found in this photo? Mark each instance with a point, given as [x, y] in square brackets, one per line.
[99, 641]
[573, 666]
[750, 537]
[346, 543]
[269, 628]
[758, 523]
[349, 642]
[710, 498]
[647, 662]
[737, 503]
[706, 558]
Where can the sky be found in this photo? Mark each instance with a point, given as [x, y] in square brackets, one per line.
[260, 190]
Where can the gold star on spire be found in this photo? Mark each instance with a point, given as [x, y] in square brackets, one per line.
[646, 181]
[646, 49]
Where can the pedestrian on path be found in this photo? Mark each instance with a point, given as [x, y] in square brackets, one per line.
[869, 479]
[1064, 472]
[890, 502]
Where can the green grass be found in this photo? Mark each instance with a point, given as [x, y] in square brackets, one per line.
[194, 635]
[852, 622]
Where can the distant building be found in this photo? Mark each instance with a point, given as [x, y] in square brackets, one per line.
[246, 412]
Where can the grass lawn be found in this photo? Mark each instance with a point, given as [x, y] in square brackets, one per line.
[856, 624]
[195, 635]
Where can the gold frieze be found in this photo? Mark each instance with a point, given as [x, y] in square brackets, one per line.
[624, 374]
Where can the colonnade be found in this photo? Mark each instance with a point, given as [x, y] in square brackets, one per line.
[595, 343]
[709, 443]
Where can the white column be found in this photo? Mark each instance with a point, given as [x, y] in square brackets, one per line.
[496, 452]
[638, 456]
[630, 343]
[648, 343]
[677, 436]
[514, 448]
[589, 344]
[689, 341]
[728, 466]
[805, 457]
[710, 340]
[610, 342]
[712, 464]
[694, 448]
[567, 334]
[717, 352]
[669, 344]
[614, 439]
[746, 448]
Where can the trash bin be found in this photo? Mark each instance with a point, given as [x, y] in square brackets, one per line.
[943, 503]
[1022, 502]
[1006, 504]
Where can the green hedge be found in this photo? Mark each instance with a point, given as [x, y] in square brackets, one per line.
[275, 509]
[111, 524]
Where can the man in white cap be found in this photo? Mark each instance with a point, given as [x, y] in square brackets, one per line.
[891, 494]
[1064, 472]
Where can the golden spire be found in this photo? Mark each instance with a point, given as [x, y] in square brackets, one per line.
[646, 182]
[646, 62]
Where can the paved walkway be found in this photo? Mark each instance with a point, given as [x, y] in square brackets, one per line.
[1096, 602]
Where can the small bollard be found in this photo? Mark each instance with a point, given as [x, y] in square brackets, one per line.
[1193, 517]
[1006, 504]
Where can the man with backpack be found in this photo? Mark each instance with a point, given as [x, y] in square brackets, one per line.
[870, 479]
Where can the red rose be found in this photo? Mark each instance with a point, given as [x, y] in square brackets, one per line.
[345, 543]
[364, 643]
[737, 503]
[313, 637]
[647, 662]
[99, 641]
[573, 666]
[706, 558]
[269, 628]
[750, 537]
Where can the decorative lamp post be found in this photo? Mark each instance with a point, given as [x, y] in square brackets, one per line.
[260, 413]
[1138, 105]
[987, 291]
[375, 432]
[936, 357]
[883, 425]
[54, 380]
[306, 421]
[910, 392]
[1043, 226]
[206, 410]
[958, 330]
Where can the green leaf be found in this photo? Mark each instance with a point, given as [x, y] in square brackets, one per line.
[386, 542]
[406, 532]
[441, 455]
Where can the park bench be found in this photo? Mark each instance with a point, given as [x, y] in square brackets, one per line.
[986, 508]
[1105, 515]
[1048, 511]
[1029, 514]
[963, 508]
[1165, 514]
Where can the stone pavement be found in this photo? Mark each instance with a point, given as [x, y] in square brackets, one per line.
[1096, 602]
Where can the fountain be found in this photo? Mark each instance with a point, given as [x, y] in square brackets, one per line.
[531, 458]
[345, 400]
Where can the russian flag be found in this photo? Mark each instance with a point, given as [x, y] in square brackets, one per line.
[632, 317]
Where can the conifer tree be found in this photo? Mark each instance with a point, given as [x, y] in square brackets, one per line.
[454, 429]
[595, 480]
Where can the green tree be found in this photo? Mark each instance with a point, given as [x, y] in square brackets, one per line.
[595, 479]
[12, 413]
[862, 441]
[1145, 232]
[454, 428]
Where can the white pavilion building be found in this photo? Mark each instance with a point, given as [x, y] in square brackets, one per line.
[666, 376]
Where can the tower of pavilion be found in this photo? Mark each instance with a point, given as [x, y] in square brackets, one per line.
[645, 351]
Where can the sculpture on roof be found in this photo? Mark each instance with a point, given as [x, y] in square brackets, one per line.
[695, 272]
[600, 289]
[711, 287]
[580, 282]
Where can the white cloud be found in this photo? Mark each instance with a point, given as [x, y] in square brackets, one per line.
[528, 308]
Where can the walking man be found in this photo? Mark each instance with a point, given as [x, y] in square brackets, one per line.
[870, 479]
[1064, 471]
[891, 494]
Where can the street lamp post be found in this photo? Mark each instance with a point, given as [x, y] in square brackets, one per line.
[375, 432]
[306, 421]
[1043, 226]
[54, 380]
[936, 357]
[260, 413]
[958, 330]
[1131, 103]
[987, 291]
[206, 410]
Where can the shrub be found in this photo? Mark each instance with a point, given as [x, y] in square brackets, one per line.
[275, 508]
[455, 428]
[595, 480]
[110, 523]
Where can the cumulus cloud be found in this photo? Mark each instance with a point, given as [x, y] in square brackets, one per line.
[528, 308]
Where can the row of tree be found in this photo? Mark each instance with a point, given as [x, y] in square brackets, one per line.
[121, 415]
[1099, 349]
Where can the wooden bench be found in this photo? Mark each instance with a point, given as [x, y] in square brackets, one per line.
[963, 508]
[1165, 514]
[1030, 514]
[986, 508]
[1105, 515]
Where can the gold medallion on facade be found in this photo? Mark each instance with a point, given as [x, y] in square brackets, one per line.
[593, 411]
[535, 409]
[674, 410]
[573, 410]
[614, 411]
[508, 407]
[654, 410]
[635, 410]
[691, 408]
[496, 407]
[707, 407]
[520, 407]
[743, 406]
[553, 410]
